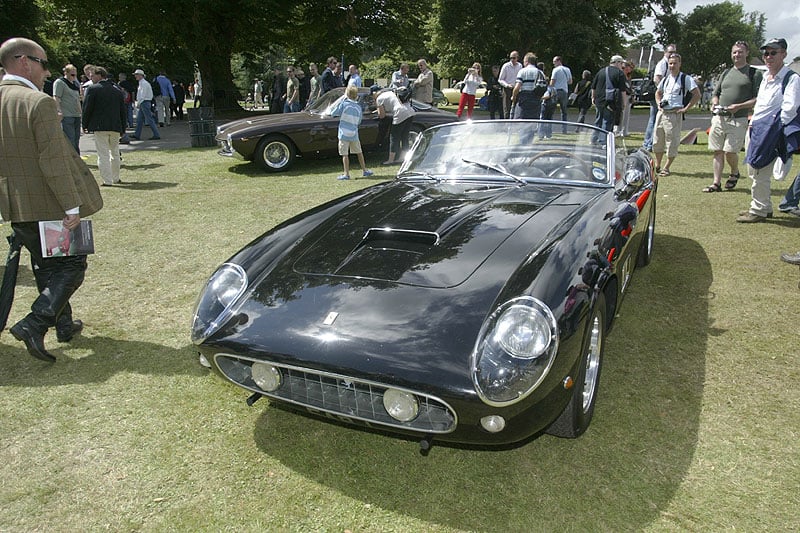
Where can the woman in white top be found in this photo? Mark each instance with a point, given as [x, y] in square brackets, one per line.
[471, 82]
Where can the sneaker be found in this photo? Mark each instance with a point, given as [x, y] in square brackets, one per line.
[367, 173]
[747, 211]
[750, 217]
[343, 177]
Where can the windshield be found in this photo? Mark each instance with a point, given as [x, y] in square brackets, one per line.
[513, 150]
[325, 104]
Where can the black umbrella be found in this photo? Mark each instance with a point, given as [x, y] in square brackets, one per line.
[9, 278]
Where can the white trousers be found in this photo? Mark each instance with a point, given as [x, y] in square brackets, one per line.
[107, 143]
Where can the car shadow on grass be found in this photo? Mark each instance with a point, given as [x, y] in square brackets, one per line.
[620, 475]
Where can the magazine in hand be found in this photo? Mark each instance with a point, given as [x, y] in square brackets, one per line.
[58, 241]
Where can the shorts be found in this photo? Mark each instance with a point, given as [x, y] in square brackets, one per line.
[727, 134]
[349, 147]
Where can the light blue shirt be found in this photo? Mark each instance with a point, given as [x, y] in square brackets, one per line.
[562, 77]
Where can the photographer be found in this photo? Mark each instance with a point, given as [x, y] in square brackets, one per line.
[671, 96]
[733, 97]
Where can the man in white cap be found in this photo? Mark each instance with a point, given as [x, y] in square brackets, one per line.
[779, 93]
[144, 100]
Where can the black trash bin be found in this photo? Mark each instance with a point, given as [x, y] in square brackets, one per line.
[201, 126]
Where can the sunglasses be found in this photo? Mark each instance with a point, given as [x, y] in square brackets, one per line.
[771, 52]
[42, 62]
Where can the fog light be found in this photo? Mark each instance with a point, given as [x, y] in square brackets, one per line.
[267, 377]
[204, 362]
[400, 405]
[493, 423]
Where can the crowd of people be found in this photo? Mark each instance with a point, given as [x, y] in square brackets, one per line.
[47, 179]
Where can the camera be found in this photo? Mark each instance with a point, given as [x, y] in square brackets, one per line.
[663, 104]
[720, 110]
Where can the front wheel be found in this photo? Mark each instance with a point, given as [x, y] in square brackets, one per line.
[575, 418]
[275, 153]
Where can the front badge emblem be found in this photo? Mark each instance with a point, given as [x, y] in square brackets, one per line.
[331, 318]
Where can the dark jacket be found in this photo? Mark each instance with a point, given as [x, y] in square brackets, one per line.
[104, 108]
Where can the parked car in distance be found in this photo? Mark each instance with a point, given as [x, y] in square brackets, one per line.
[276, 141]
[636, 97]
[466, 301]
[453, 94]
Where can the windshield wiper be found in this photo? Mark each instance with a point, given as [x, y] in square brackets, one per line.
[416, 174]
[496, 168]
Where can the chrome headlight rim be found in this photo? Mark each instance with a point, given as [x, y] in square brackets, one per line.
[204, 326]
[546, 356]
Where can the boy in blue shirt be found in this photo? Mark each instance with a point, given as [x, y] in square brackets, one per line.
[350, 112]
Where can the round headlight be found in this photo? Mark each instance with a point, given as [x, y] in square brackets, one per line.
[523, 332]
[214, 304]
[266, 376]
[400, 405]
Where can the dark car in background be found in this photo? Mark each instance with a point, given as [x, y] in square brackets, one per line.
[468, 300]
[276, 141]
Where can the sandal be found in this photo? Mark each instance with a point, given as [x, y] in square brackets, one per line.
[714, 187]
[733, 179]
[664, 172]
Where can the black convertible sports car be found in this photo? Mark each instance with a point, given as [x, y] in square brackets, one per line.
[467, 300]
[275, 141]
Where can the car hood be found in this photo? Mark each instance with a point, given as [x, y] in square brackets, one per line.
[245, 126]
[427, 235]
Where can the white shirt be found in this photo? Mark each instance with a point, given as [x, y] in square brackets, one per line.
[561, 77]
[26, 81]
[771, 100]
[508, 74]
[672, 90]
[144, 92]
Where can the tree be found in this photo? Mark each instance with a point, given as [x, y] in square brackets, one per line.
[705, 36]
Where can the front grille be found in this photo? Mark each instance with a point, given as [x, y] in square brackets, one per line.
[350, 399]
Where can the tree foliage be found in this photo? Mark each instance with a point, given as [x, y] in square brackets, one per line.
[704, 37]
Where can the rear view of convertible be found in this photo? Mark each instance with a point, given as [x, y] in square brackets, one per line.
[467, 301]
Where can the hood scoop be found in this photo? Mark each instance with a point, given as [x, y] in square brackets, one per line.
[424, 236]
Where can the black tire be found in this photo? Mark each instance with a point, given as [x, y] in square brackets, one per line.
[646, 248]
[275, 153]
[575, 418]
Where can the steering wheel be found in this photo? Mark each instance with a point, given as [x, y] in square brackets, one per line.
[563, 153]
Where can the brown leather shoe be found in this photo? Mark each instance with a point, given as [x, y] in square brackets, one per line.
[749, 217]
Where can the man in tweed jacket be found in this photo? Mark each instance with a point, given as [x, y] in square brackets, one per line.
[41, 178]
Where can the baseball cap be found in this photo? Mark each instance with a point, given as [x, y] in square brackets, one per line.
[139, 72]
[774, 43]
[617, 59]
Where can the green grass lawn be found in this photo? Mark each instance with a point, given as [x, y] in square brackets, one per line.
[696, 426]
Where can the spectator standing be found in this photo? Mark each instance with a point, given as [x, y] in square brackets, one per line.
[561, 79]
[165, 99]
[67, 94]
[292, 103]
[197, 91]
[423, 85]
[130, 95]
[44, 179]
[180, 98]
[258, 93]
[583, 95]
[658, 74]
[494, 93]
[329, 78]
[354, 78]
[607, 88]
[350, 112]
[305, 87]
[400, 77]
[622, 129]
[278, 92]
[104, 114]
[530, 104]
[144, 102]
[549, 100]
[471, 82]
[316, 83]
[670, 97]
[731, 102]
[394, 103]
[778, 99]
[508, 80]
